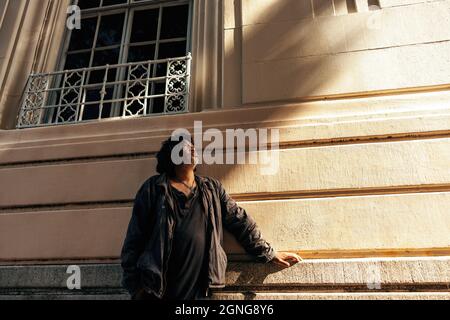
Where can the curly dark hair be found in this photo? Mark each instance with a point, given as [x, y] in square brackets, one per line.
[164, 156]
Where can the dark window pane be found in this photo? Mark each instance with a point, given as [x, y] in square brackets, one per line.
[106, 111]
[77, 60]
[91, 111]
[172, 50]
[87, 4]
[110, 31]
[83, 38]
[102, 58]
[141, 53]
[158, 105]
[169, 50]
[145, 25]
[174, 22]
[112, 2]
[159, 88]
[161, 69]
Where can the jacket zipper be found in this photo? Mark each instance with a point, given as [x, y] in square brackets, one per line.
[168, 257]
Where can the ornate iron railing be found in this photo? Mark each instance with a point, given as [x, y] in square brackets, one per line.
[113, 91]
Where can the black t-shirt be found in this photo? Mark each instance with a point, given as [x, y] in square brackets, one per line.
[186, 274]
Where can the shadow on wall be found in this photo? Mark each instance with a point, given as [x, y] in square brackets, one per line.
[264, 42]
[294, 54]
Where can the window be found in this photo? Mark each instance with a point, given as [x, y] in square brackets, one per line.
[130, 58]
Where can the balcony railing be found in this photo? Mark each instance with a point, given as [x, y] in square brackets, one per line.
[137, 89]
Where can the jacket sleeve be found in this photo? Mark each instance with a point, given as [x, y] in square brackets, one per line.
[244, 228]
[134, 243]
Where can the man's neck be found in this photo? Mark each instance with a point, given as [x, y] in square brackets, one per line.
[185, 174]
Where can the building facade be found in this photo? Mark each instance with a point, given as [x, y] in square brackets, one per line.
[359, 90]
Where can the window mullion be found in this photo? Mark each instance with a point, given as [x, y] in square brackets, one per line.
[91, 59]
[155, 66]
[123, 56]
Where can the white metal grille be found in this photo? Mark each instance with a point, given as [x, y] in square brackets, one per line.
[66, 97]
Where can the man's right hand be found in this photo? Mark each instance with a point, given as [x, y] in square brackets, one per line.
[286, 259]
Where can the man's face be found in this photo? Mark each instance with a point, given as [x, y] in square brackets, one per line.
[189, 150]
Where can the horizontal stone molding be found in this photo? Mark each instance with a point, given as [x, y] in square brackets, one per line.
[362, 119]
[299, 135]
[399, 164]
[384, 225]
[244, 197]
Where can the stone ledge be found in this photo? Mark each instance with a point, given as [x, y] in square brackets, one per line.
[425, 278]
[415, 272]
[334, 296]
[343, 272]
[300, 123]
[63, 295]
[55, 276]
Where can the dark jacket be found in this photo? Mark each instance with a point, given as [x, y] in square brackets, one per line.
[146, 250]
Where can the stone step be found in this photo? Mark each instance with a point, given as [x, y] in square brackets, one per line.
[411, 273]
[380, 278]
[55, 295]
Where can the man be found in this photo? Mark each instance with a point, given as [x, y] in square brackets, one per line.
[173, 247]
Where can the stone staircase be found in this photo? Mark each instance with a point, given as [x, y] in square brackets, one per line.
[380, 278]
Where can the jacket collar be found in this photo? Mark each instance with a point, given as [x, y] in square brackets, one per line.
[163, 181]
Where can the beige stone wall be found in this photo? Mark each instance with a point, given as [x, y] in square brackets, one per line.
[358, 176]
[298, 49]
